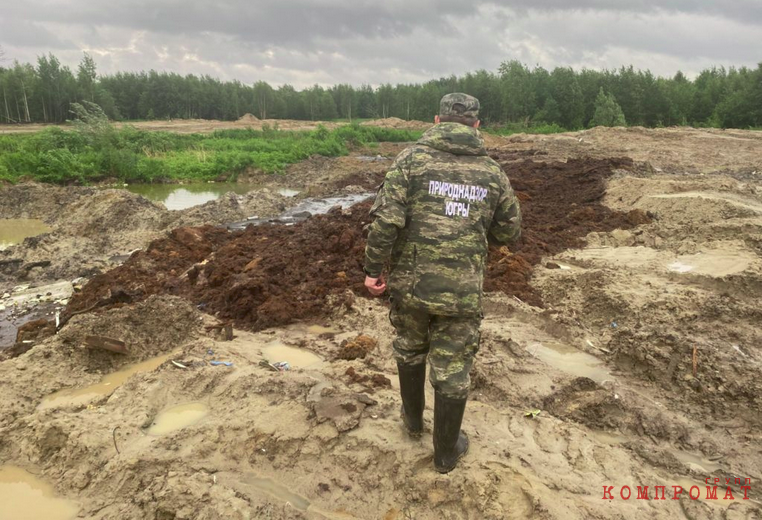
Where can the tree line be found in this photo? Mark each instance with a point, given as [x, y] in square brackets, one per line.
[515, 93]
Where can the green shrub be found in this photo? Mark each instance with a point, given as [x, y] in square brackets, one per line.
[95, 152]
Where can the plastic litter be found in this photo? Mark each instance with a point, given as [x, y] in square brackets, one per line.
[280, 366]
[218, 363]
[532, 413]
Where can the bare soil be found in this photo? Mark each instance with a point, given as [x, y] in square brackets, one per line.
[194, 126]
[635, 334]
[676, 150]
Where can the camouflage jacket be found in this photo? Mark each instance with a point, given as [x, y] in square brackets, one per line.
[440, 203]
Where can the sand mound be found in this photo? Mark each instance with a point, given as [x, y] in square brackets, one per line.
[42, 201]
[248, 118]
[94, 228]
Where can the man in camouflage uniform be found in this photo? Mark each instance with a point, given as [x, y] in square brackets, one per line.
[441, 202]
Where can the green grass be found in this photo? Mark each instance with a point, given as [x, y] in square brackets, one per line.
[519, 128]
[354, 120]
[137, 156]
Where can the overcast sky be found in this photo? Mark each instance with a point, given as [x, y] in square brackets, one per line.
[304, 42]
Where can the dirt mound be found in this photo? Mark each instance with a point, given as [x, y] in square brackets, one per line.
[248, 118]
[232, 207]
[88, 228]
[273, 275]
[321, 176]
[675, 303]
[359, 347]
[157, 269]
[93, 228]
[150, 328]
[41, 201]
[106, 211]
[260, 277]
[144, 328]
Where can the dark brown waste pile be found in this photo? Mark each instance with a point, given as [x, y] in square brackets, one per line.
[258, 278]
[560, 205]
[273, 275]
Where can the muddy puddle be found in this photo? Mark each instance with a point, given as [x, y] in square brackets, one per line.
[604, 437]
[23, 294]
[283, 494]
[713, 263]
[279, 492]
[710, 262]
[313, 330]
[732, 199]
[697, 462]
[178, 197]
[694, 461]
[25, 497]
[305, 209]
[278, 352]
[570, 360]
[14, 230]
[23, 304]
[106, 386]
[178, 417]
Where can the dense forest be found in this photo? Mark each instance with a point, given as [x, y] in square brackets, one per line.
[718, 97]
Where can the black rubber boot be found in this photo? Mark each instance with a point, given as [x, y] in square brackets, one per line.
[450, 443]
[412, 386]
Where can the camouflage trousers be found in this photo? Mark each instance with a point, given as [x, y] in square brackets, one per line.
[448, 342]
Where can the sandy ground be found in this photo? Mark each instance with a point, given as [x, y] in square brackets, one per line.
[643, 362]
[194, 126]
[673, 150]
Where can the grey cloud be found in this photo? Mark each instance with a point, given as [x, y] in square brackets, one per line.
[747, 11]
[26, 33]
[362, 41]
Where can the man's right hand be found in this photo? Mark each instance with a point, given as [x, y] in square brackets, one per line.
[375, 286]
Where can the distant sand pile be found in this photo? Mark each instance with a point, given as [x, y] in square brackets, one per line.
[248, 118]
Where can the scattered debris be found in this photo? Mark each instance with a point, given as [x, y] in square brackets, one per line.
[110, 344]
[358, 347]
[344, 411]
[369, 381]
[224, 330]
[266, 364]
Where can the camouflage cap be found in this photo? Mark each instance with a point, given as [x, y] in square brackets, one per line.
[459, 104]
